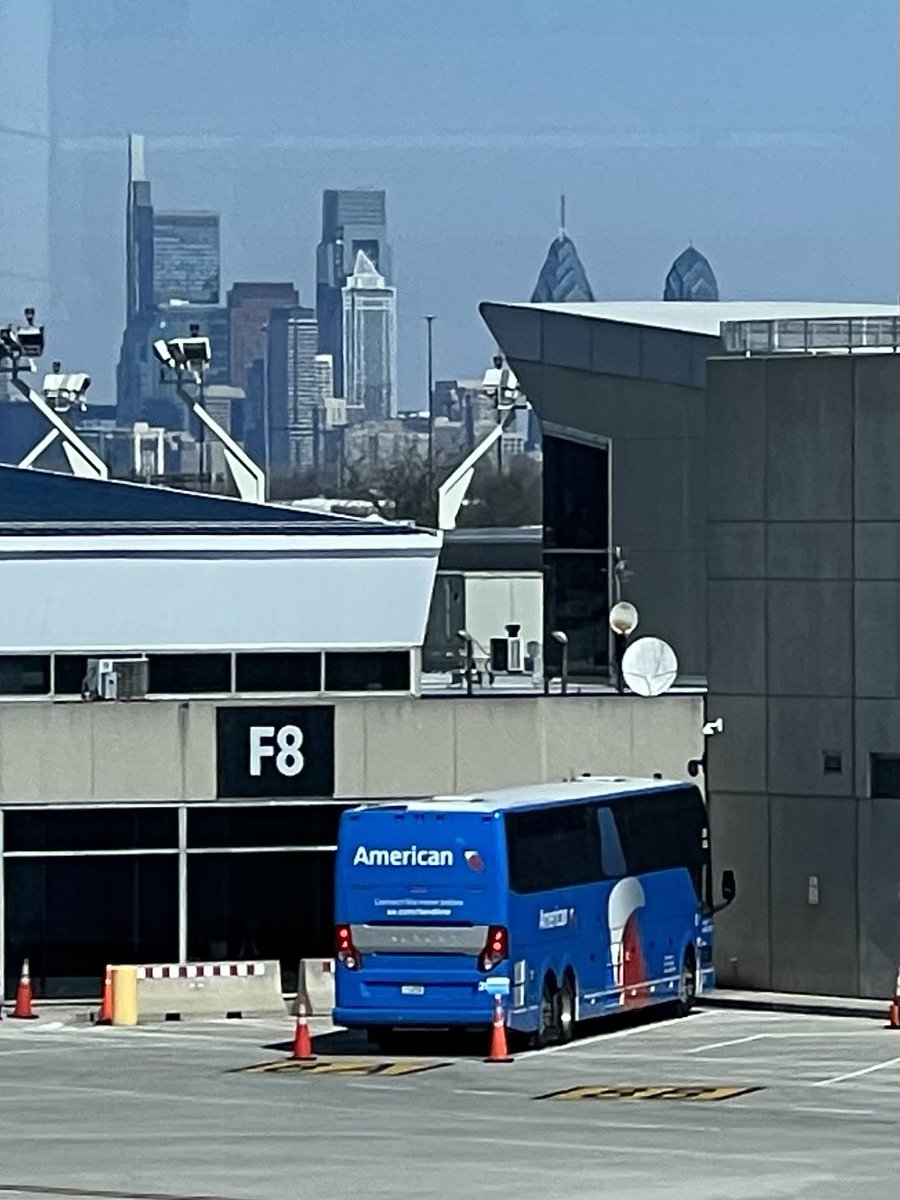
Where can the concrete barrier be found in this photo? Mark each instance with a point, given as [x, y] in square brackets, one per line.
[174, 991]
[315, 986]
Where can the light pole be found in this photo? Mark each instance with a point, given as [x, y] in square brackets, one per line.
[429, 322]
[559, 636]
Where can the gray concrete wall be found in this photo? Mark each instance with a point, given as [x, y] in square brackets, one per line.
[804, 607]
[643, 390]
[165, 750]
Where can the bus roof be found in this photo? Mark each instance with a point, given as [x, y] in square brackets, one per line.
[586, 787]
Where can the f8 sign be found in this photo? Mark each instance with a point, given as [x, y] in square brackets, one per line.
[275, 751]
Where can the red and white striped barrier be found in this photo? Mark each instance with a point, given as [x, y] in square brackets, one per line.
[212, 970]
[174, 991]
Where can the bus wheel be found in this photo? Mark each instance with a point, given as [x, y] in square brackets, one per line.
[687, 984]
[548, 1022]
[566, 1009]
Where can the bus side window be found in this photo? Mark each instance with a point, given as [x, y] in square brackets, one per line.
[611, 857]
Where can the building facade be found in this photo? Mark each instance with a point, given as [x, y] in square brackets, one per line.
[186, 257]
[249, 308]
[803, 583]
[370, 341]
[143, 829]
[352, 220]
[748, 508]
[292, 388]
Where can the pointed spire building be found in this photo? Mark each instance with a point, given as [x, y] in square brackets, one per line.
[562, 277]
[691, 277]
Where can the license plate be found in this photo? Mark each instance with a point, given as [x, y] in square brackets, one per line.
[412, 989]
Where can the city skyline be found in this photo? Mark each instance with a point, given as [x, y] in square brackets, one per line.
[758, 163]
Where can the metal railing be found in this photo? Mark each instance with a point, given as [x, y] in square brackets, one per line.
[809, 335]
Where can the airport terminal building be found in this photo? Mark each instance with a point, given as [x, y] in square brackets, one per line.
[191, 691]
[745, 458]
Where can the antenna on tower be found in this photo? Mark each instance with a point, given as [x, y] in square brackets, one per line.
[562, 215]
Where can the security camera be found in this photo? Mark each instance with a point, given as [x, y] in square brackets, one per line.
[22, 341]
[65, 391]
[163, 353]
[711, 727]
[192, 351]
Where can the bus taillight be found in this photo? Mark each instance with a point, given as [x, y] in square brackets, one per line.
[496, 947]
[344, 950]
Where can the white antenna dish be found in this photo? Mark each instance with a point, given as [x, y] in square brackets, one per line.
[623, 618]
[649, 666]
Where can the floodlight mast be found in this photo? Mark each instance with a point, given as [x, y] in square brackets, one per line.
[19, 346]
[188, 360]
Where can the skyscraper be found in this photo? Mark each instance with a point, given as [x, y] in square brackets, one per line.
[370, 340]
[562, 276]
[351, 221]
[691, 277]
[249, 308]
[139, 233]
[186, 257]
[292, 389]
[134, 371]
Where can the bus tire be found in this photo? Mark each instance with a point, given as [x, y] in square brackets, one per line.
[687, 984]
[566, 1009]
[548, 1014]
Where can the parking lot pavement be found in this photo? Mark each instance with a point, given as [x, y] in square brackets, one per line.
[662, 1108]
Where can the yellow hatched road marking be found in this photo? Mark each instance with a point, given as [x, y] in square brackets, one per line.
[639, 1091]
[343, 1066]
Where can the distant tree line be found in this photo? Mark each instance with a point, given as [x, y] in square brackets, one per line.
[400, 489]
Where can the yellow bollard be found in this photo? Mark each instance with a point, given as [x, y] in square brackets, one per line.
[124, 991]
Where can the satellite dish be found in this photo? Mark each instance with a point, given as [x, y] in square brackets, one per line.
[623, 618]
[649, 666]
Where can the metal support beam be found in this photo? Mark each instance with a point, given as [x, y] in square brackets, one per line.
[82, 459]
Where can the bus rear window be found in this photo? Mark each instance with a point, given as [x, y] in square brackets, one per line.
[552, 848]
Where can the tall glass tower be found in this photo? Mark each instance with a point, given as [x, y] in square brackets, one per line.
[370, 340]
[351, 221]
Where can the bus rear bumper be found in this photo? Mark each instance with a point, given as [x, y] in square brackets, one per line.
[439, 1018]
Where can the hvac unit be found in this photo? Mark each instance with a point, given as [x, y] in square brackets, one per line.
[508, 653]
[116, 679]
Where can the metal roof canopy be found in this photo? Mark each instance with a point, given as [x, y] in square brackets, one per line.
[93, 567]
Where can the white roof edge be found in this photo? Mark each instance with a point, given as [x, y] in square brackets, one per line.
[706, 316]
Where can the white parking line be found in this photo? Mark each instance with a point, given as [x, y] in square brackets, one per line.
[891, 1062]
[836, 1112]
[581, 1043]
[753, 1037]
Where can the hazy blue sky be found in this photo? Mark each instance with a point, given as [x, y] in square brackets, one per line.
[765, 132]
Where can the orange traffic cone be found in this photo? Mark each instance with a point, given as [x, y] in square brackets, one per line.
[105, 1015]
[302, 1048]
[22, 1008]
[499, 1052]
[894, 1011]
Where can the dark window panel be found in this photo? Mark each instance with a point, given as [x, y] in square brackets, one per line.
[189, 674]
[72, 916]
[662, 831]
[552, 848]
[264, 825]
[24, 674]
[576, 495]
[92, 829]
[576, 602]
[367, 671]
[261, 906]
[278, 672]
[69, 671]
[885, 776]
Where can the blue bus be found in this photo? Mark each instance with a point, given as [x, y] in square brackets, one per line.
[575, 900]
